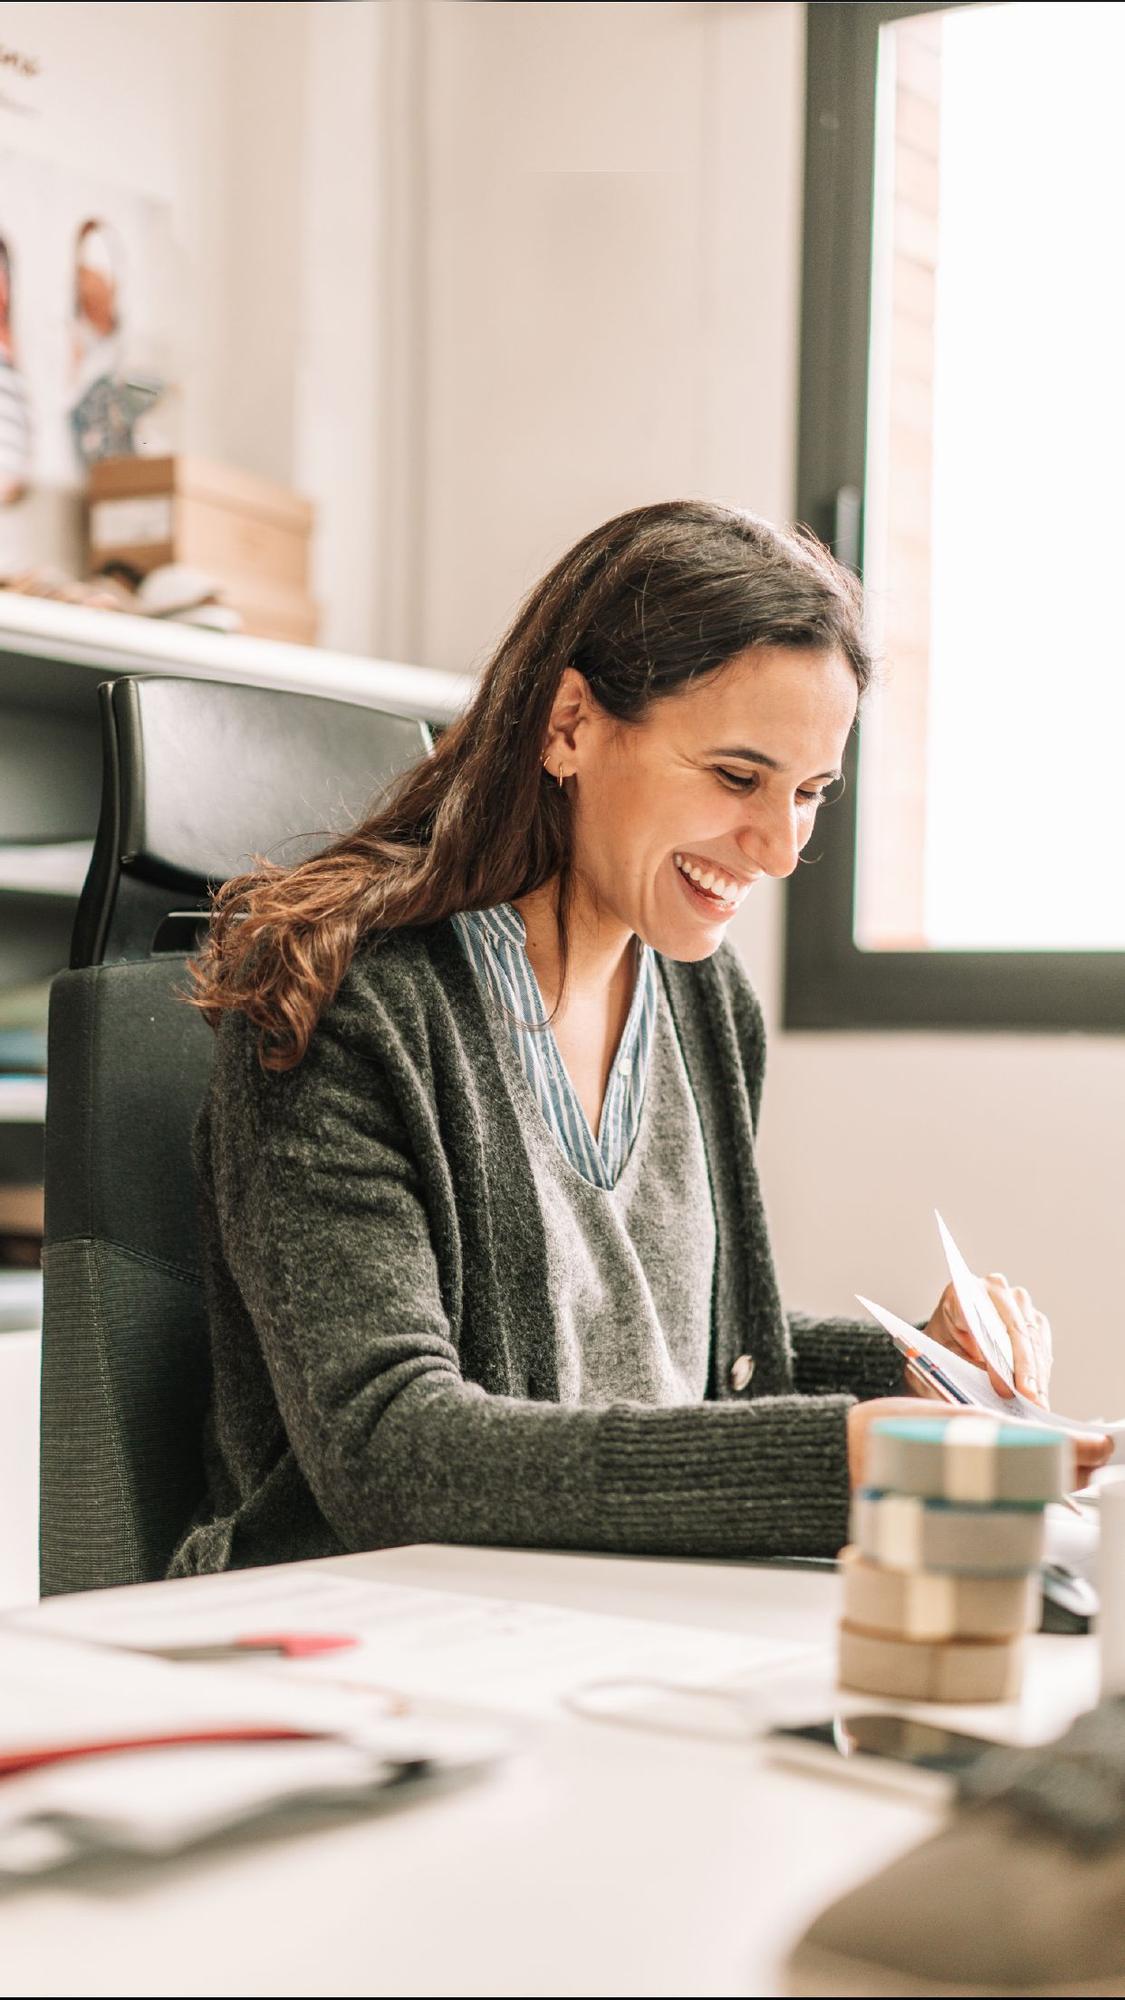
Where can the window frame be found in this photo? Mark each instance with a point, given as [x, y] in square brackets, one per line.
[829, 982]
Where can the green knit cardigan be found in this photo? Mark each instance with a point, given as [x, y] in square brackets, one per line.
[383, 1351]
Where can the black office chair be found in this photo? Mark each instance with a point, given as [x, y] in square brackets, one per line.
[198, 777]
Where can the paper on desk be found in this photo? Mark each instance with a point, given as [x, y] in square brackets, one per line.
[57, 1696]
[427, 1644]
[981, 1315]
[162, 1801]
[974, 1382]
[63, 1697]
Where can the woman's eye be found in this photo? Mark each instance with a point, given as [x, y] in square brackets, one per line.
[747, 781]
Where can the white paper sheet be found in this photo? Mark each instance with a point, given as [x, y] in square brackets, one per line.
[448, 1646]
[55, 1694]
[981, 1316]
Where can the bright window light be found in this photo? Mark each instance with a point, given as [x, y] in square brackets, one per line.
[993, 758]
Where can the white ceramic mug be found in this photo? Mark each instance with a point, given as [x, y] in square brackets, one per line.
[1111, 1582]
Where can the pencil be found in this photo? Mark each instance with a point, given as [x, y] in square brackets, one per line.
[932, 1373]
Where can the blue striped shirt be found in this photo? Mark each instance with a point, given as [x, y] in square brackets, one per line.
[495, 943]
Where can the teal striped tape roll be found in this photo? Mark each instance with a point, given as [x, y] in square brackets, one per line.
[903, 1531]
[971, 1458]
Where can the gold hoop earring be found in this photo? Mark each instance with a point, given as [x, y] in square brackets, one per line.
[560, 777]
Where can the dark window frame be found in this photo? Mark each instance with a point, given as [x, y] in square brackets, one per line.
[830, 983]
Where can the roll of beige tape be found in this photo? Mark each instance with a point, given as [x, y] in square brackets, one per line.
[901, 1531]
[927, 1604]
[919, 1670]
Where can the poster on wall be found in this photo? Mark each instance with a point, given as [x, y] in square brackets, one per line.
[89, 344]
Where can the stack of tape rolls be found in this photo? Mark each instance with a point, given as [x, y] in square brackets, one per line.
[941, 1580]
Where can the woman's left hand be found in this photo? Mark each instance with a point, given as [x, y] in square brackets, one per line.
[1028, 1329]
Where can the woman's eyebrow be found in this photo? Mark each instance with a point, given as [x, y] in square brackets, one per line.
[771, 763]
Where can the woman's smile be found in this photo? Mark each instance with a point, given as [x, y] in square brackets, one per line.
[709, 886]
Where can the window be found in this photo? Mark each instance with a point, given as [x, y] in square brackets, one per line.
[962, 425]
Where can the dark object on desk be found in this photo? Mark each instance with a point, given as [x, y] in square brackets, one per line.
[857, 1742]
[1070, 1604]
[795, 1562]
[1022, 1892]
[198, 777]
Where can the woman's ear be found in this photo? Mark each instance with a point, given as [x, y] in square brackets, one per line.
[571, 713]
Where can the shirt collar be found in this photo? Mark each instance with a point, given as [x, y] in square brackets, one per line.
[503, 924]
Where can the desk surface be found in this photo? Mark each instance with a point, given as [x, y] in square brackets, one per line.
[598, 1860]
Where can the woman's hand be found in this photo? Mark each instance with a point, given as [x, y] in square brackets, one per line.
[861, 1415]
[1091, 1450]
[1028, 1329]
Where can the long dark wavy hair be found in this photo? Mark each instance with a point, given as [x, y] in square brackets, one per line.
[655, 599]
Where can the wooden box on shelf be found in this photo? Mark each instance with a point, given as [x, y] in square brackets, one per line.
[21, 1211]
[252, 535]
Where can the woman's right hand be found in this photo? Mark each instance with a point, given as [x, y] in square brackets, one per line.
[1091, 1449]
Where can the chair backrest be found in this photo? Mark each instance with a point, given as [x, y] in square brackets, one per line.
[198, 777]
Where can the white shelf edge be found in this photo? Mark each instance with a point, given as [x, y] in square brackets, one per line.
[23, 1100]
[56, 868]
[21, 1304]
[118, 642]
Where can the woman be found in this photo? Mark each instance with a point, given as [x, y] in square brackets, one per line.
[484, 1243]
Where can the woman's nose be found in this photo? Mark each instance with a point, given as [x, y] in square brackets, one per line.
[772, 839]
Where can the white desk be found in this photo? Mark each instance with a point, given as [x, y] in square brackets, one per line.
[602, 1860]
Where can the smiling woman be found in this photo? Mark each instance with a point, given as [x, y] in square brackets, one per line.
[485, 1251]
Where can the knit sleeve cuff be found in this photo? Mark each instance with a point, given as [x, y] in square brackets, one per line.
[763, 1478]
[831, 1356]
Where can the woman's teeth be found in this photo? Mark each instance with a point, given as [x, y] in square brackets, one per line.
[711, 881]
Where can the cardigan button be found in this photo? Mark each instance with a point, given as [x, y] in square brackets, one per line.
[741, 1372]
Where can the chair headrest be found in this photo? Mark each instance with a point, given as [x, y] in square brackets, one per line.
[199, 777]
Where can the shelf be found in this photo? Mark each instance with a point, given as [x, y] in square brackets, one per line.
[54, 868]
[23, 1100]
[70, 640]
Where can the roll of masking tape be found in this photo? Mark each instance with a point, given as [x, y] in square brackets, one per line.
[923, 1604]
[918, 1670]
[973, 1458]
[902, 1531]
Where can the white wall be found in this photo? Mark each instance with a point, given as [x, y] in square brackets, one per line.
[606, 307]
[338, 418]
[601, 214]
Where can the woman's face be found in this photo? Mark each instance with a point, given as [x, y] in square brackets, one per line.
[678, 817]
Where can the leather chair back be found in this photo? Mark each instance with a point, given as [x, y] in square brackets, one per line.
[198, 777]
